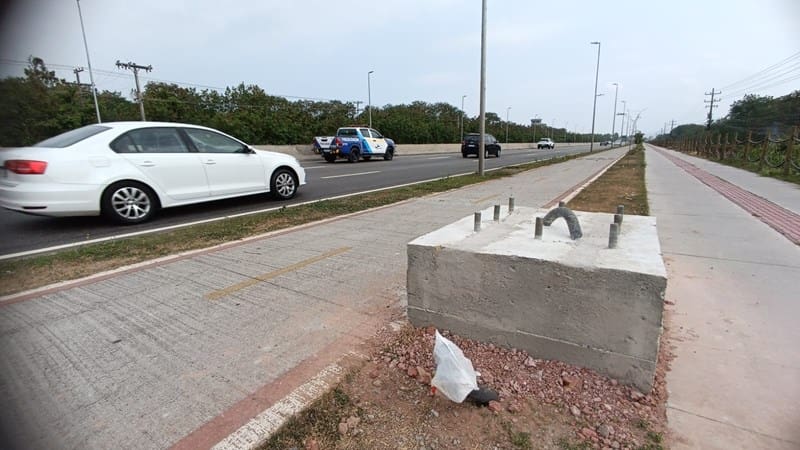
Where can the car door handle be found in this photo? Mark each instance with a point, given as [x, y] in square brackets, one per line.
[147, 164]
[209, 161]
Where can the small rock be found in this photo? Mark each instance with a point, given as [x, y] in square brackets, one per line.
[605, 430]
[430, 330]
[423, 376]
[636, 395]
[434, 413]
[588, 433]
[572, 383]
[495, 406]
[575, 411]
[375, 373]
[402, 366]
[311, 444]
[513, 408]
[352, 422]
[377, 383]
[412, 372]
[614, 444]
[607, 407]
[343, 428]
[614, 382]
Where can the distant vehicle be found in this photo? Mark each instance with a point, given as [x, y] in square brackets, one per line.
[545, 143]
[322, 142]
[471, 145]
[605, 143]
[354, 143]
[127, 171]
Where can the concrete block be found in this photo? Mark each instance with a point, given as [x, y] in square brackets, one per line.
[572, 300]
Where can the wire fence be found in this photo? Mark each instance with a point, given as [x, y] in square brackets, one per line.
[779, 151]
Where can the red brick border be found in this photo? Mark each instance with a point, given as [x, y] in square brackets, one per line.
[780, 219]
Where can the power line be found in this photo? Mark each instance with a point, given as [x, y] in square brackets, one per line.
[763, 71]
[773, 80]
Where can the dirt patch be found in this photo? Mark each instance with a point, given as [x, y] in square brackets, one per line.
[388, 404]
[622, 184]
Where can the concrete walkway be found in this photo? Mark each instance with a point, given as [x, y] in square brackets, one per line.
[184, 351]
[733, 303]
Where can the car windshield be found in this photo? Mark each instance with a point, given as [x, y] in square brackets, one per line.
[72, 137]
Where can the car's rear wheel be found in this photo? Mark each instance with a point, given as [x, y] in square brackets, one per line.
[283, 184]
[354, 156]
[129, 202]
[389, 154]
[330, 158]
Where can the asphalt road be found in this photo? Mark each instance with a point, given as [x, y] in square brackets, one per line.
[23, 233]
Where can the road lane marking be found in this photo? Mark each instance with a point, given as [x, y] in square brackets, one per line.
[350, 174]
[314, 167]
[216, 295]
[439, 157]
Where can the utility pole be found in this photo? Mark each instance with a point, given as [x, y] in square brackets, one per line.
[358, 107]
[462, 117]
[136, 68]
[711, 104]
[507, 111]
[671, 126]
[77, 72]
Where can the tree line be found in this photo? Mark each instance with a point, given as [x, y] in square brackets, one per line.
[759, 115]
[39, 105]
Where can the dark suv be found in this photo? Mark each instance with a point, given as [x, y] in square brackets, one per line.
[471, 142]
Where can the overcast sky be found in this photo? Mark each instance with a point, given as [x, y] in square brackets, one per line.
[665, 55]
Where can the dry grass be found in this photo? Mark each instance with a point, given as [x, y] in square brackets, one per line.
[622, 184]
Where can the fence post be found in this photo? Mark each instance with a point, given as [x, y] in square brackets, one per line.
[787, 162]
[747, 145]
[764, 151]
[724, 148]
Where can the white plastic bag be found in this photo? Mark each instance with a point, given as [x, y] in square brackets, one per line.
[455, 376]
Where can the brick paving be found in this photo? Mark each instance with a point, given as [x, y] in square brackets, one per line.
[780, 219]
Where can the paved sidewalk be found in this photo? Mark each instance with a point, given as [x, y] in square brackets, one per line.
[735, 378]
[183, 351]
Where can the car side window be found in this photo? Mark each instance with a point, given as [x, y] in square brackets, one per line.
[365, 132]
[375, 134]
[150, 140]
[210, 142]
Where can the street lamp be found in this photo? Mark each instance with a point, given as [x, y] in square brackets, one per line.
[462, 117]
[594, 107]
[482, 125]
[369, 97]
[566, 125]
[622, 124]
[89, 63]
[614, 119]
[507, 111]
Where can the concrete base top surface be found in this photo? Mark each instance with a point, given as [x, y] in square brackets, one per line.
[638, 249]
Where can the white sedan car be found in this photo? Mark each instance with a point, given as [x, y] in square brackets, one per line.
[127, 171]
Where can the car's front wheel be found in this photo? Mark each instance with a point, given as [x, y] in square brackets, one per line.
[388, 155]
[129, 202]
[283, 184]
[330, 158]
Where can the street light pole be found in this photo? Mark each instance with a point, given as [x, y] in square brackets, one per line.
[481, 145]
[507, 111]
[614, 120]
[594, 107]
[462, 117]
[369, 97]
[89, 63]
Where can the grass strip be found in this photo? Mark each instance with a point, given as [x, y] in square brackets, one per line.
[31, 272]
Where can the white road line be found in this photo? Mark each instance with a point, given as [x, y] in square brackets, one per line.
[439, 157]
[350, 175]
[313, 167]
